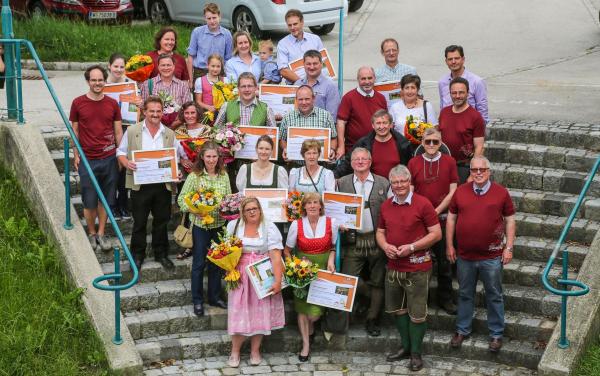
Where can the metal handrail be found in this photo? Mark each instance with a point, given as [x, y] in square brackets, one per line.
[565, 281]
[116, 275]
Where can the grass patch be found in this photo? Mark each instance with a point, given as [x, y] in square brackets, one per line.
[590, 363]
[44, 329]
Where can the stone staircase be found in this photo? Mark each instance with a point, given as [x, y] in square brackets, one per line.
[543, 165]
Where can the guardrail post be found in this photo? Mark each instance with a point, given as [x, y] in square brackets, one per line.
[117, 340]
[20, 119]
[341, 52]
[563, 343]
[9, 61]
[68, 225]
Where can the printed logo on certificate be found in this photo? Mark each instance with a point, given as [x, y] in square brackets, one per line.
[155, 166]
[346, 208]
[272, 201]
[262, 277]
[297, 66]
[297, 135]
[391, 91]
[126, 94]
[251, 136]
[281, 99]
[333, 290]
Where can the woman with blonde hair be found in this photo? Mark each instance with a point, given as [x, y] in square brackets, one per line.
[243, 60]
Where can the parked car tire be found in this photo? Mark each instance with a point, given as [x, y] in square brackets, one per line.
[37, 9]
[354, 5]
[323, 29]
[243, 19]
[158, 12]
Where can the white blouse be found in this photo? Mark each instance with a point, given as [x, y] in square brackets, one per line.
[300, 181]
[292, 237]
[269, 237]
[241, 183]
[400, 112]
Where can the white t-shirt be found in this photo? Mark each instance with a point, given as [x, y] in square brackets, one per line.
[292, 237]
[269, 237]
[399, 113]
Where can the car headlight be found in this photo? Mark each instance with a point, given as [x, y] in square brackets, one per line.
[69, 2]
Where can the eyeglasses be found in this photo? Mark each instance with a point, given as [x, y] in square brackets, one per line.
[361, 159]
[431, 142]
[250, 210]
[479, 170]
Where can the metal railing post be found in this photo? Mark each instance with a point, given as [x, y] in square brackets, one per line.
[563, 343]
[68, 225]
[20, 119]
[117, 340]
[341, 52]
[9, 62]
[338, 252]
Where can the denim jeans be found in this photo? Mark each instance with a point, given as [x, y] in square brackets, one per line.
[202, 240]
[490, 273]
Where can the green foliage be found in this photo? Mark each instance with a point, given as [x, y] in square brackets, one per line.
[44, 329]
[590, 363]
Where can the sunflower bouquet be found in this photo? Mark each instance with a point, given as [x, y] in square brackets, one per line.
[203, 202]
[139, 67]
[226, 255]
[299, 273]
[414, 129]
[224, 92]
[293, 205]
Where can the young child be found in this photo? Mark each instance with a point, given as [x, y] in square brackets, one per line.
[203, 85]
[270, 73]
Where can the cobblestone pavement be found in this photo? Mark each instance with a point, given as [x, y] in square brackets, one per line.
[332, 364]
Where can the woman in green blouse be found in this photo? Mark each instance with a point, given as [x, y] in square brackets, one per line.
[208, 172]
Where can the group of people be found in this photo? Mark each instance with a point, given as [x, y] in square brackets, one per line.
[423, 203]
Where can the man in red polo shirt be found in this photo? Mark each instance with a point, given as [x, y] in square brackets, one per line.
[408, 227]
[481, 217]
[462, 127]
[434, 176]
[355, 111]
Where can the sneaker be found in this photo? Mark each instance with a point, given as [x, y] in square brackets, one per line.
[93, 241]
[103, 244]
[125, 214]
[117, 214]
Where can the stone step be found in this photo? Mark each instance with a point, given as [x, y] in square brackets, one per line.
[173, 293]
[334, 363]
[152, 271]
[540, 155]
[53, 137]
[535, 248]
[58, 157]
[562, 134]
[171, 320]
[549, 226]
[543, 179]
[554, 203]
[211, 343]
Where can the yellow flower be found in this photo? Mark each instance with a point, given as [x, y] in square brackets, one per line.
[412, 126]
[210, 116]
[304, 264]
[289, 273]
[207, 220]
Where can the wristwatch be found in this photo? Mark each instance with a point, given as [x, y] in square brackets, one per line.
[510, 249]
[412, 247]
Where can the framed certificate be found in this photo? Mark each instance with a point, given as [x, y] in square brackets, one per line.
[391, 91]
[344, 207]
[155, 166]
[251, 135]
[126, 94]
[272, 201]
[297, 135]
[333, 290]
[297, 66]
[281, 99]
[262, 277]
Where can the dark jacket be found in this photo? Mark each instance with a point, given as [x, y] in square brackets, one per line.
[405, 151]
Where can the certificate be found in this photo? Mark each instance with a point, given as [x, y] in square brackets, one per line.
[280, 99]
[251, 136]
[333, 290]
[297, 66]
[296, 136]
[346, 208]
[155, 166]
[390, 90]
[125, 94]
[272, 201]
[262, 277]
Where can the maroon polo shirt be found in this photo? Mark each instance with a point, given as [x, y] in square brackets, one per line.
[357, 110]
[459, 130]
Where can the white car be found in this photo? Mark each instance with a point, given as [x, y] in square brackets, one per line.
[254, 16]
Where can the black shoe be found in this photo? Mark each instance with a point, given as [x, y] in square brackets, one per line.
[125, 214]
[372, 328]
[401, 354]
[219, 303]
[198, 310]
[449, 307]
[416, 362]
[303, 358]
[138, 263]
[166, 263]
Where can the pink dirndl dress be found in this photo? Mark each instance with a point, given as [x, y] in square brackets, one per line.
[246, 314]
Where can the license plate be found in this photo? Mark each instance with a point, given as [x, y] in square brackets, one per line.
[102, 15]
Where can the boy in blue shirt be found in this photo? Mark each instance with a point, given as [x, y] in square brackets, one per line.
[270, 72]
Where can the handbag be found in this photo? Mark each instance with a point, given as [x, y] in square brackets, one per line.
[183, 235]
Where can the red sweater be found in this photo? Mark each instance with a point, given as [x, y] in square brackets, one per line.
[459, 130]
[357, 110]
[480, 226]
[433, 179]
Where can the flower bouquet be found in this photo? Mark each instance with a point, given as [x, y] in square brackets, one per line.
[414, 129]
[226, 255]
[299, 273]
[230, 139]
[224, 92]
[229, 209]
[170, 108]
[293, 205]
[139, 67]
[192, 146]
[203, 202]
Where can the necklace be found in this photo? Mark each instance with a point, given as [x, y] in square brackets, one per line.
[412, 105]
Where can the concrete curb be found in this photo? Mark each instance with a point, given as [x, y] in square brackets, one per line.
[60, 65]
[583, 321]
[39, 179]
